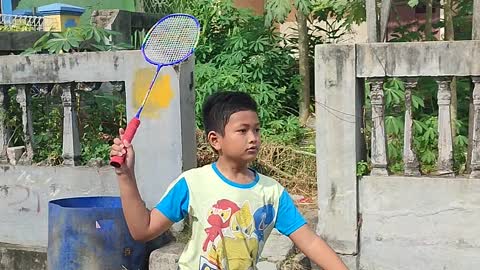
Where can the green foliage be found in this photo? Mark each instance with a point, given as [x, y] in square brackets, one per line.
[99, 117]
[425, 123]
[284, 130]
[76, 39]
[412, 3]
[278, 10]
[403, 33]
[345, 12]
[362, 168]
[137, 38]
[237, 52]
[17, 27]
[462, 20]
[98, 130]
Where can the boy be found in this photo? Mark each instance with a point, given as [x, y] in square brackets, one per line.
[233, 209]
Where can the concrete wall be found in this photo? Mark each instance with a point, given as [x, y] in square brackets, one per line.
[26, 190]
[164, 143]
[391, 222]
[336, 86]
[414, 59]
[419, 223]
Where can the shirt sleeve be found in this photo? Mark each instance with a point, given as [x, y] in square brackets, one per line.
[174, 204]
[289, 219]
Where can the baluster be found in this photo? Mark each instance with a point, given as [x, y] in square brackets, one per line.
[71, 140]
[409, 156]
[445, 139]
[4, 133]
[23, 98]
[379, 140]
[475, 160]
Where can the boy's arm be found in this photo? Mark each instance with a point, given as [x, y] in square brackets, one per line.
[144, 225]
[316, 249]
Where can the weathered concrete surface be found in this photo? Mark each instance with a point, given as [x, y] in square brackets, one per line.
[13, 257]
[26, 190]
[266, 265]
[277, 248]
[337, 96]
[166, 257]
[419, 223]
[372, 22]
[351, 261]
[78, 67]
[476, 20]
[436, 58]
[158, 145]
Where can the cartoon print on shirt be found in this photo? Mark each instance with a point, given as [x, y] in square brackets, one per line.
[242, 248]
[219, 218]
[263, 218]
[206, 265]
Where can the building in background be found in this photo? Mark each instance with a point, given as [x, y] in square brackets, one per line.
[401, 14]
[10, 5]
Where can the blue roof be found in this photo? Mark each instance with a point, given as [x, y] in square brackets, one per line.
[23, 12]
[59, 8]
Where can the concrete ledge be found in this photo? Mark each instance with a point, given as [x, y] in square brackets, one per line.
[436, 58]
[431, 222]
[15, 257]
[26, 190]
[166, 257]
[277, 248]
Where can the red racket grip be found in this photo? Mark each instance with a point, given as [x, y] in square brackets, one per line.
[130, 131]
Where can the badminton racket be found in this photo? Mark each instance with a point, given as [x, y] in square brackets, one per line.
[169, 42]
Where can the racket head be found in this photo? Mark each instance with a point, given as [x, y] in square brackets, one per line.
[171, 40]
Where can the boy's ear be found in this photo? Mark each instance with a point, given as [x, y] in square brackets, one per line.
[213, 138]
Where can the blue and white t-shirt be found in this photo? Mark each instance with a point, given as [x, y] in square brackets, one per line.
[230, 221]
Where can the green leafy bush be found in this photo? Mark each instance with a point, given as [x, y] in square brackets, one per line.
[425, 123]
[76, 39]
[237, 52]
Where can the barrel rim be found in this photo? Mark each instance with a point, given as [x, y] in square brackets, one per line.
[58, 202]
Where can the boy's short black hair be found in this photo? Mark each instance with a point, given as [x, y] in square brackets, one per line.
[219, 106]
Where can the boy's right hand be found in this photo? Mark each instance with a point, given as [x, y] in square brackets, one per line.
[121, 147]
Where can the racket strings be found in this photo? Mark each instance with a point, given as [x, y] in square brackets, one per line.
[172, 40]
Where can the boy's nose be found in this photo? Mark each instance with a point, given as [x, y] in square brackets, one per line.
[253, 138]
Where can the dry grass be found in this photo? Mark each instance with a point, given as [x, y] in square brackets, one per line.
[294, 169]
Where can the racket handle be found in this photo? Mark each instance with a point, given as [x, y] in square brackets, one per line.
[132, 126]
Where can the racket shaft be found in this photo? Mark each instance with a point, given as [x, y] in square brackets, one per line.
[148, 92]
[117, 161]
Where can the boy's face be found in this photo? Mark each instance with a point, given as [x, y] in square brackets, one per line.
[241, 139]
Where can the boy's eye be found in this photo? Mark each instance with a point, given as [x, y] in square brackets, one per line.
[242, 130]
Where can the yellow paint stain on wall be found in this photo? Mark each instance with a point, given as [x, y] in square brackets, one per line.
[161, 95]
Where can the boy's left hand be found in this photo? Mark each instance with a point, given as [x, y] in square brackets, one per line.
[316, 249]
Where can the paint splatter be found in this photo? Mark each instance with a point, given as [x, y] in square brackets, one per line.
[160, 97]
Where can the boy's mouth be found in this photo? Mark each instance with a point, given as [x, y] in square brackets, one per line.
[252, 149]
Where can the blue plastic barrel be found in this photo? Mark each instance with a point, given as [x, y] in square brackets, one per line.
[91, 233]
